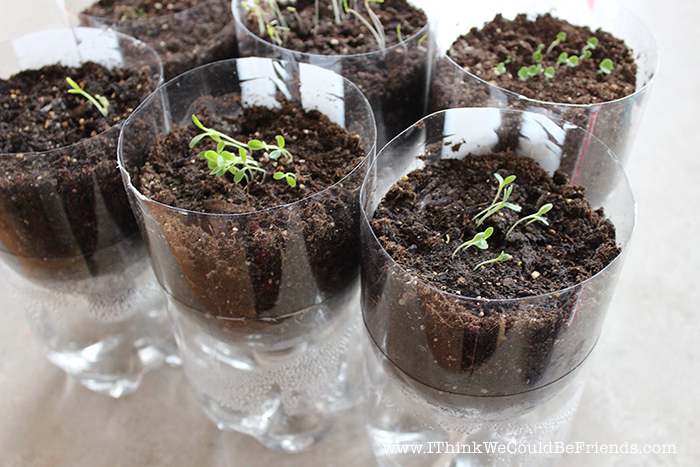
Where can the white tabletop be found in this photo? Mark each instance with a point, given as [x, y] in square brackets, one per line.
[645, 372]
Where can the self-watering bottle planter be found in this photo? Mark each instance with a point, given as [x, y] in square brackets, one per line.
[68, 240]
[486, 277]
[245, 177]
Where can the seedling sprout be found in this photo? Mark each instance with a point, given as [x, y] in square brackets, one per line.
[496, 205]
[536, 217]
[606, 66]
[537, 54]
[242, 165]
[478, 241]
[376, 27]
[561, 37]
[100, 102]
[501, 258]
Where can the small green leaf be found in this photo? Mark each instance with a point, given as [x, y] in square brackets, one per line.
[291, 180]
[197, 139]
[573, 61]
[243, 154]
[278, 175]
[586, 54]
[220, 146]
[228, 157]
[211, 155]
[239, 176]
[255, 144]
[606, 66]
[198, 123]
[523, 74]
[592, 42]
[561, 37]
[549, 72]
[280, 141]
[212, 165]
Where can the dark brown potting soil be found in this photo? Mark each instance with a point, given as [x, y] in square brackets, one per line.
[204, 35]
[38, 114]
[323, 153]
[350, 36]
[481, 50]
[134, 9]
[428, 214]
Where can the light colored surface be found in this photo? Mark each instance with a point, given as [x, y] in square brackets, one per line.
[645, 373]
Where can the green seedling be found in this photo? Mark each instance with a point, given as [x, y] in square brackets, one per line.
[478, 241]
[496, 205]
[536, 217]
[606, 66]
[420, 43]
[399, 37]
[501, 258]
[257, 11]
[500, 69]
[376, 27]
[565, 59]
[591, 44]
[242, 165]
[274, 30]
[549, 72]
[278, 13]
[525, 73]
[537, 54]
[294, 12]
[289, 177]
[561, 37]
[100, 102]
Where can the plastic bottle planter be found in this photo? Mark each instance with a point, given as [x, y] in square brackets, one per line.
[184, 40]
[69, 244]
[615, 122]
[525, 389]
[394, 80]
[268, 326]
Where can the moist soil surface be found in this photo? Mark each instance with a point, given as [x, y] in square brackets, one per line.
[38, 114]
[481, 50]
[206, 34]
[135, 9]
[350, 36]
[428, 207]
[323, 153]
